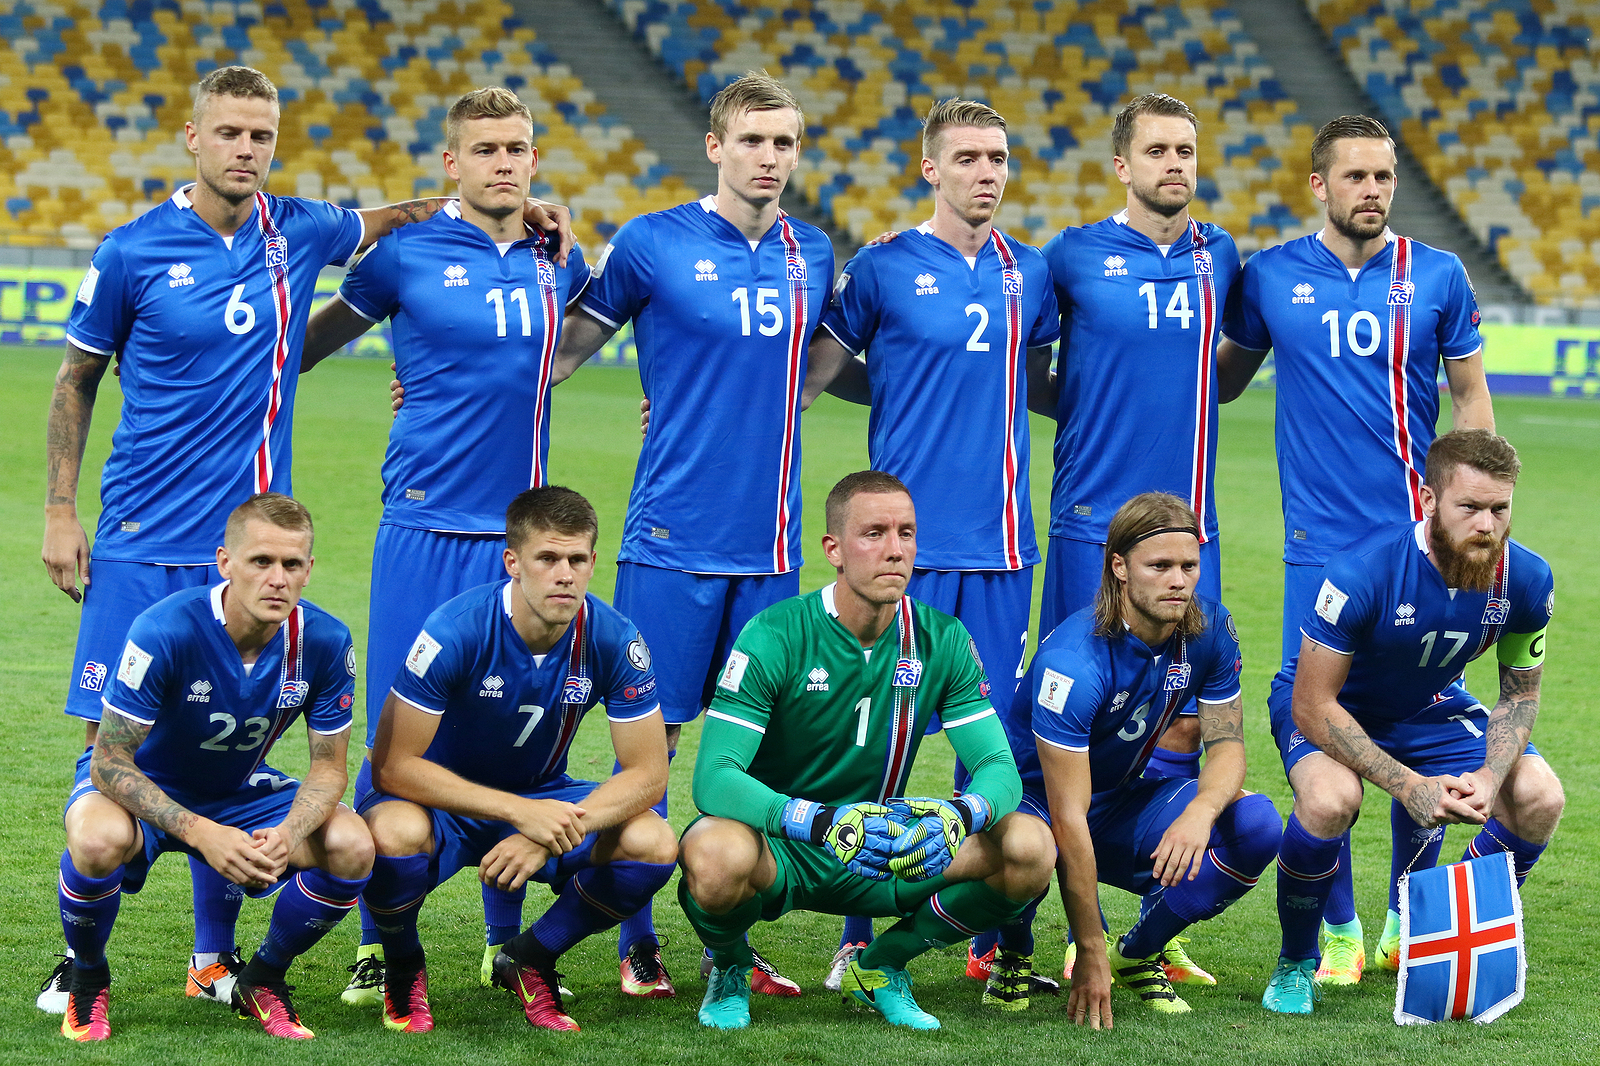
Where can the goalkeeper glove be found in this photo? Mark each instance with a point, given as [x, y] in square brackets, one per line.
[934, 831]
[860, 835]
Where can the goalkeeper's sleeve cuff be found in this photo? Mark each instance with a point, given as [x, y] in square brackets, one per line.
[806, 820]
[975, 811]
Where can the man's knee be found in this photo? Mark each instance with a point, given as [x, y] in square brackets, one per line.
[1535, 799]
[347, 843]
[1327, 796]
[400, 828]
[1027, 854]
[646, 838]
[719, 857]
[100, 836]
[1183, 735]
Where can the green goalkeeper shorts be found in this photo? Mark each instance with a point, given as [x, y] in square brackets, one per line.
[811, 879]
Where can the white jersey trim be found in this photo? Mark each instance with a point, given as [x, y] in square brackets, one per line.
[1063, 747]
[130, 717]
[596, 315]
[969, 718]
[216, 603]
[1318, 643]
[634, 718]
[1224, 335]
[88, 348]
[842, 342]
[735, 721]
[1223, 701]
[414, 703]
[340, 297]
[332, 732]
[1453, 358]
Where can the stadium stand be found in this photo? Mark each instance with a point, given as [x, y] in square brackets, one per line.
[866, 70]
[93, 99]
[1500, 100]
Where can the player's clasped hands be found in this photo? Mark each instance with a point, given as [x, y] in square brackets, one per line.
[555, 825]
[235, 855]
[1446, 800]
[933, 832]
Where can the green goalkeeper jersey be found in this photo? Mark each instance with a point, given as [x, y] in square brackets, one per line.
[802, 709]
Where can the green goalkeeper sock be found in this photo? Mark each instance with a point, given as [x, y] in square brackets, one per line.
[723, 934]
[952, 914]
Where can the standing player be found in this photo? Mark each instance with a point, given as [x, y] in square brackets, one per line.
[815, 725]
[204, 299]
[1376, 692]
[1360, 320]
[470, 764]
[1101, 689]
[724, 295]
[952, 316]
[209, 679]
[477, 302]
[1141, 296]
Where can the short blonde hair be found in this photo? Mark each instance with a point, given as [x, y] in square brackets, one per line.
[755, 91]
[246, 83]
[492, 102]
[273, 508]
[953, 113]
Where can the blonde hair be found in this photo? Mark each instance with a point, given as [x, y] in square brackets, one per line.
[273, 508]
[953, 113]
[1159, 104]
[246, 83]
[755, 91]
[492, 102]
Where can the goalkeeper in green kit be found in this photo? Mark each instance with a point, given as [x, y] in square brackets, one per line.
[804, 757]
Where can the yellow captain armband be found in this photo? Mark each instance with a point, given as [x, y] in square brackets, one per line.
[1521, 651]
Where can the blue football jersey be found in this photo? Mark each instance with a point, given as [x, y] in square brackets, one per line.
[1137, 370]
[947, 351]
[1357, 366]
[507, 719]
[212, 722]
[1386, 605]
[475, 334]
[210, 338]
[722, 331]
[1114, 698]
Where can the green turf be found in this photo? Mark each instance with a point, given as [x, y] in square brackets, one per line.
[341, 425]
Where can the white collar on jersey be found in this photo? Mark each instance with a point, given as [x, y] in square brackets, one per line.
[505, 598]
[216, 602]
[1420, 532]
[828, 602]
[180, 196]
[708, 204]
[926, 227]
[452, 208]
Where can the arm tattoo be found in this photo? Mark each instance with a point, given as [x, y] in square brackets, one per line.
[1511, 721]
[1350, 745]
[412, 211]
[319, 793]
[120, 780]
[1221, 723]
[71, 406]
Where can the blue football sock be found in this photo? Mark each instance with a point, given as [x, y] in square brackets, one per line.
[502, 912]
[641, 924]
[216, 908]
[1415, 847]
[1017, 936]
[369, 928]
[1342, 901]
[592, 899]
[394, 897]
[985, 942]
[310, 903]
[88, 910]
[1306, 865]
[1494, 836]
[1164, 763]
[857, 930]
[1243, 841]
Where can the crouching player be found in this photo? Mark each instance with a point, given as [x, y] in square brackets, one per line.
[209, 679]
[469, 766]
[1376, 694]
[1102, 688]
[817, 718]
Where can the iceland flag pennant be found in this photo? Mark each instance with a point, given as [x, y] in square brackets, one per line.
[1461, 948]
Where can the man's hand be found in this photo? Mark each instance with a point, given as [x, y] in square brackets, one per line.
[397, 392]
[274, 848]
[510, 863]
[860, 835]
[644, 417]
[1431, 801]
[1089, 1001]
[1480, 791]
[233, 854]
[551, 218]
[885, 237]
[66, 549]
[935, 829]
[554, 825]
[1182, 847]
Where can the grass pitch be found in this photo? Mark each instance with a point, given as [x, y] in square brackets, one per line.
[342, 421]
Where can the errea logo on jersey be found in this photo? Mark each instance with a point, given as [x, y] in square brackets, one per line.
[1405, 615]
[926, 285]
[455, 276]
[705, 270]
[493, 687]
[200, 692]
[817, 680]
[1116, 266]
[1302, 294]
[180, 275]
